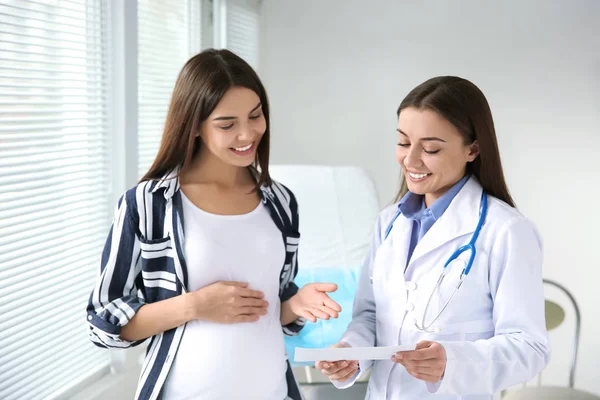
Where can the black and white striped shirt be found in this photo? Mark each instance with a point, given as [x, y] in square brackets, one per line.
[143, 262]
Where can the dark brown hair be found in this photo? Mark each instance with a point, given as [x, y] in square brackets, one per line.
[200, 86]
[462, 104]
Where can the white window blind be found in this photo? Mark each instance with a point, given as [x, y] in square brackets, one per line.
[168, 35]
[53, 191]
[242, 29]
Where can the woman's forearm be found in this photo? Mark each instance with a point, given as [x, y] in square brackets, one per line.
[287, 315]
[152, 319]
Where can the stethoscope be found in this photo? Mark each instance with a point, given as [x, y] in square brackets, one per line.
[468, 247]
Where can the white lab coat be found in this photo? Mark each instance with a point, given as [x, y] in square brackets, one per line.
[494, 328]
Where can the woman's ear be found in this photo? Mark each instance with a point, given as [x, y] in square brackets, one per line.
[473, 151]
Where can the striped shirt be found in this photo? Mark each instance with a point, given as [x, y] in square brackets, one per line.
[143, 262]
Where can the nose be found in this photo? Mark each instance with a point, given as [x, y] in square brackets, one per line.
[413, 158]
[246, 132]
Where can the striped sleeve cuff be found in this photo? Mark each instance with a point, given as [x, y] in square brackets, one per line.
[294, 328]
[105, 326]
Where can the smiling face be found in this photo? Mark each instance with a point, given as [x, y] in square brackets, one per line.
[431, 152]
[232, 132]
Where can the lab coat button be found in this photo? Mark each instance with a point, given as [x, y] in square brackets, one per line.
[410, 306]
[410, 286]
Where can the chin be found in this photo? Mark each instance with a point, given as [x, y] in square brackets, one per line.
[416, 189]
[241, 163]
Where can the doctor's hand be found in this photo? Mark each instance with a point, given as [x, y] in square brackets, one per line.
[312, 302]
[427, 362]
[338, 370]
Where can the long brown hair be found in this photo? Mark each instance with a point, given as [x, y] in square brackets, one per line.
[200, 86]
[464, 106]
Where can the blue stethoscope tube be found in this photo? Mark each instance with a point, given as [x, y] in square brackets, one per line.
[468, 247]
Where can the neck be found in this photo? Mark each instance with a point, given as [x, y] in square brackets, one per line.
[206, 168]
[430, 198]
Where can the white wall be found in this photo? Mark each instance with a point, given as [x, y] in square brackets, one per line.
[336, 71]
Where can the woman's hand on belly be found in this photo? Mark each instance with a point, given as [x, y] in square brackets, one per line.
[227, 302]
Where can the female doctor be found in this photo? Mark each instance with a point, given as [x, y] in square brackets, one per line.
[454, 270]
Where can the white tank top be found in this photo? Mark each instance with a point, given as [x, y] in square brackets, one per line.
[231, 361]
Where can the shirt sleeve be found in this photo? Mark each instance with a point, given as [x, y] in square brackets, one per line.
[292, 243]
[114, 300]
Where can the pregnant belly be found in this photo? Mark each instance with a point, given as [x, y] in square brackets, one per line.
[229, 361]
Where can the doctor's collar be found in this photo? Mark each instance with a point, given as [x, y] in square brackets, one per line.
[413, 205]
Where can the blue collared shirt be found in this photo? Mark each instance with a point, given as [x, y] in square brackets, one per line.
[412, 206]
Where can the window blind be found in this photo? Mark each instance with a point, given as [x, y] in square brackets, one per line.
[242, 29]
[168, 34]
[53, 190]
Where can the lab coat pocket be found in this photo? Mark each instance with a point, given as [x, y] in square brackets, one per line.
[158, 266]
[464, 330]
[475, 326]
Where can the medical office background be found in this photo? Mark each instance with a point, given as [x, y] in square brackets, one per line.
[84, 89]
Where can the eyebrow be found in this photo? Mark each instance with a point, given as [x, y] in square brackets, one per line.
[425, 139]
[229, 118]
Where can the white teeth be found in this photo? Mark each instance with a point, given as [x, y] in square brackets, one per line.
[243, 148]
[417, 176]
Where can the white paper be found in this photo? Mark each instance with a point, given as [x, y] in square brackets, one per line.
[348, 353]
